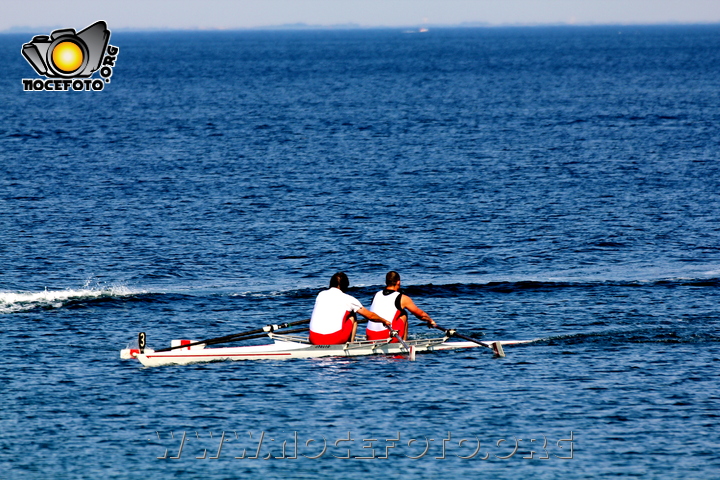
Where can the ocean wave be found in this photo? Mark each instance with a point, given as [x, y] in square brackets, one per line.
[667, 335]
[455, 289]
[23, 301]
[547, 285]
[19, 301]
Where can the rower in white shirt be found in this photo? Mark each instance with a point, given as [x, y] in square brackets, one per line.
[334, 319]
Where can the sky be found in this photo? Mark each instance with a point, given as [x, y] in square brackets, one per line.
[31, 15]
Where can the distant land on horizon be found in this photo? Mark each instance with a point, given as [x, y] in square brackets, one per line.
[351, 26]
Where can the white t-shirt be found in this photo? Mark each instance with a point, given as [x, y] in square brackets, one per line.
[331, 308]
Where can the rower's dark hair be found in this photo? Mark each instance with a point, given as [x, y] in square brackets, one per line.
[392, 278]
[340, 280]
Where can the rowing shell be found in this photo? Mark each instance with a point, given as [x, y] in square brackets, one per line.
[290, 346]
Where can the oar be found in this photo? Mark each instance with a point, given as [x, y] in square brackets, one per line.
[238, 336]
[396, 334]
[285, 332]
[410, 350]
[495, 346]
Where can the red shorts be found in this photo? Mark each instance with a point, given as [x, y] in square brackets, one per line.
[336, 338]
[397, 324]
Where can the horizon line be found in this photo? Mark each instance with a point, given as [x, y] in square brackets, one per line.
[356, 26]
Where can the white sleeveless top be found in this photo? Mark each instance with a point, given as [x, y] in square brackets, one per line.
[385, 305]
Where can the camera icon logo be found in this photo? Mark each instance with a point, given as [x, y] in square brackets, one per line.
[68, 54]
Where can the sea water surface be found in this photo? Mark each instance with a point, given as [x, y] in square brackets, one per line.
[555, 184]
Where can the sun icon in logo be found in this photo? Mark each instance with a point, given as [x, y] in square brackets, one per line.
[67, 56]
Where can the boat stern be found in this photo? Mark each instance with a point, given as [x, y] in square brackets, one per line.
[129, 353]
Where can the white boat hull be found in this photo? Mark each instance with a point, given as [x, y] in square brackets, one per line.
[286, 346]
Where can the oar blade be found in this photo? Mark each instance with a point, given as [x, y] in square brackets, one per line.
[498, 349]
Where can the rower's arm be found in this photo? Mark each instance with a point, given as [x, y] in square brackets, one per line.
[374, 316]
[407, 303]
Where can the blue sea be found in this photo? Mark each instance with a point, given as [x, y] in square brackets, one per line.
[559, 184]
